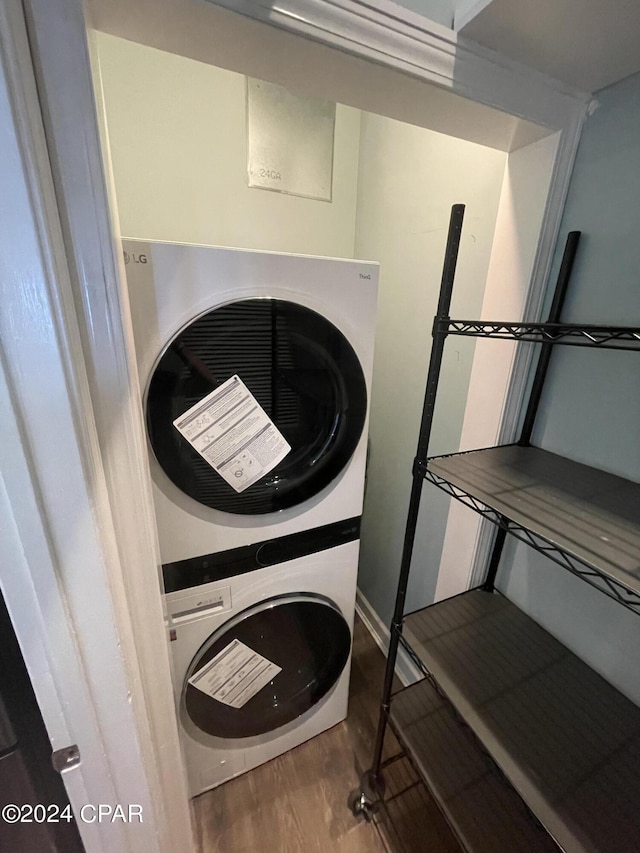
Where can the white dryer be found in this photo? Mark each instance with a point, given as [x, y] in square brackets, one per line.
[261, 661]
[299, 332]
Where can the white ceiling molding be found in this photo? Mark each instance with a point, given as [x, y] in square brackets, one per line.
[395, 36]
[323, 46]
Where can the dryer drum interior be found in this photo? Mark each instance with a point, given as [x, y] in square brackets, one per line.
[303, 372]
[306, 636]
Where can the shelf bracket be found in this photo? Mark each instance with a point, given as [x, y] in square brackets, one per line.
[440, 326]
[419, 468]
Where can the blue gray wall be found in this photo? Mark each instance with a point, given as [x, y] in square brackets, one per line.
[590, 411]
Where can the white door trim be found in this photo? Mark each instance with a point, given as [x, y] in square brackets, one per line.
[63, 573]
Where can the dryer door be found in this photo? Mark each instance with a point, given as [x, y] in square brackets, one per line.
[265, 667]
[302, 371]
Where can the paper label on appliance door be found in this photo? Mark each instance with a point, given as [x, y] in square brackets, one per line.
[234, 434]
[234, 675]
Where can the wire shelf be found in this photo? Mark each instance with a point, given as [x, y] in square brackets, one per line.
[585, 520]
[567, 741]
[603, 337]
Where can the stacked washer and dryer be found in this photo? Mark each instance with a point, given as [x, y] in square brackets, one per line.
[260, 579]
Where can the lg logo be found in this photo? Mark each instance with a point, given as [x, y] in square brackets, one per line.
[137, 259]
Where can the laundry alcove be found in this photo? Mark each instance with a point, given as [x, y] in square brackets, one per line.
[176, 128]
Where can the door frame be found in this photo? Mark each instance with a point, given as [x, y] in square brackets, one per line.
[87, 309]
[64, 567]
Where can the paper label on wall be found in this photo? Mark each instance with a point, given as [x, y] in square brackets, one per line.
[234, 675]
[234, 434]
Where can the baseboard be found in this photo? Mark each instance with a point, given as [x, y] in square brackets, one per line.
[406, 670]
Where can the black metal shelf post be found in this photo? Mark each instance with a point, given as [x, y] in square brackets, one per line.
[372, 783]
[542, 368]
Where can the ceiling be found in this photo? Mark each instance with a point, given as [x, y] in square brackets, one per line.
[210, 34]
[587, 44]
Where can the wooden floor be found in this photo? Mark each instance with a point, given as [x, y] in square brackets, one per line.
[297, 803]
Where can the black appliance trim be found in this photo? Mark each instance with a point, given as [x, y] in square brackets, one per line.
[301, 369]
[305, 635]
[185, 574]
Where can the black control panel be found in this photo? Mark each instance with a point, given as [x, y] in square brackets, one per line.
[185, 574]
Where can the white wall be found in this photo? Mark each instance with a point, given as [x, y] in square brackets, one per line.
[409, 178]
[177, 129]
[521, 211]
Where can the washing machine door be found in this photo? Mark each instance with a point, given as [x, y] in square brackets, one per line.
[302, 371]
[265, 667]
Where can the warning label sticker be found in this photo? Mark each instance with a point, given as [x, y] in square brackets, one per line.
[231, 430]
[234, 675]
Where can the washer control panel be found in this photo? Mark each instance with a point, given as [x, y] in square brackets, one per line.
[200, 604]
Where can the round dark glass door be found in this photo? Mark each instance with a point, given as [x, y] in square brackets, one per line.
[302, 371]
[306, 637]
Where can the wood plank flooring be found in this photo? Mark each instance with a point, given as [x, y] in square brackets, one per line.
[297, 803]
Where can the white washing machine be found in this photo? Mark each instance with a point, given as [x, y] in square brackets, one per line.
[299, 332]
[261, 661]
[262, 576]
